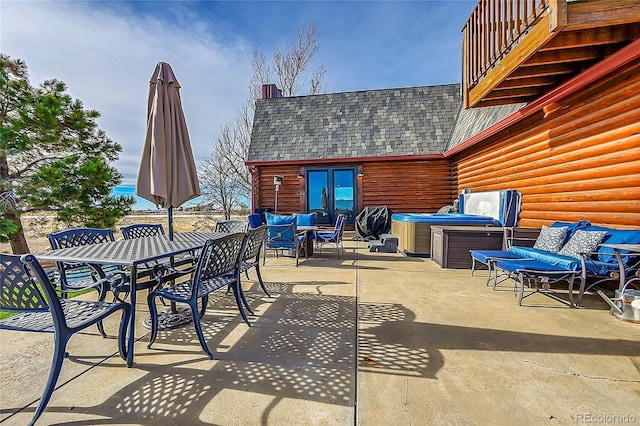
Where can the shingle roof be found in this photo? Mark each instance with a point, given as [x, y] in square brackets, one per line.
[372, 123]
[472, 121]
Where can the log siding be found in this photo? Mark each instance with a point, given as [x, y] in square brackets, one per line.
[578, 159]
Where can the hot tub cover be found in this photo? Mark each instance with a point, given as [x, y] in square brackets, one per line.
[446, 218]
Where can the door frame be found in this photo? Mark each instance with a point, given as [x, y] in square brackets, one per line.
[330, 170]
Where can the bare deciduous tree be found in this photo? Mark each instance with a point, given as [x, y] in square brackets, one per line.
[220, 186]
[231, 148]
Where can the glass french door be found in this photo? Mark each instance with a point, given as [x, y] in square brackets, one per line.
[330, 192]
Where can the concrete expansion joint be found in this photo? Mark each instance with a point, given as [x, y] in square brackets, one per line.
[407, 412]
[573, 373]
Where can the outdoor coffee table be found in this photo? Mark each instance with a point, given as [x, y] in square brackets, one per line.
[131, 254]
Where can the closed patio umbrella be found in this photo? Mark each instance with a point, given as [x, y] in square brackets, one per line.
[167, 176]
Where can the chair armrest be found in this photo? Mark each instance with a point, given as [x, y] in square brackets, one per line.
[164, 272]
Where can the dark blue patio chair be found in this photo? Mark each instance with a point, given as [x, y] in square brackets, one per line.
[231, 226]
[81, 276]
[282, 234]
[142, 230]
[333, 237]
[217, 268]
[255, 220]
[28, 292]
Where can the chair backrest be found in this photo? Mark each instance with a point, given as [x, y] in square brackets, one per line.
[231, 226]
[281, 231]
[27, 284]
[306, 219]
[255, 239]
[80, 237]
[338, 229]
[255, 220]
[70, 272]
[220, 256]
[19, 291]
[142, 230]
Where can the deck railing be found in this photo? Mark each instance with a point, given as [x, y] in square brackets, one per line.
[492, 29]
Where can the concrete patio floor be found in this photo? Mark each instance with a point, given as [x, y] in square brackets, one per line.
[369, 339]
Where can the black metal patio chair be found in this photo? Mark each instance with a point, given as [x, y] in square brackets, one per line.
[217, 268]
[80, 276]
[142, 230]
[251, 256]
[231, 226]
[27, 291]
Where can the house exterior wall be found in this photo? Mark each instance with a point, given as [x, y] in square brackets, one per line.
[403, 186]
[577, 159]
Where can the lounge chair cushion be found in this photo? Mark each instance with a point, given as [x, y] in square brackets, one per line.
[582, 242]
[555, 259]
[551, 238]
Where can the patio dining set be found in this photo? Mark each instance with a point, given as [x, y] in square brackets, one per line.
[183, 270]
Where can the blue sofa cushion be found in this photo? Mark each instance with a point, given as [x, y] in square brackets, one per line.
[555, 259]
[551, 238]
[616, 236]
[582, 242]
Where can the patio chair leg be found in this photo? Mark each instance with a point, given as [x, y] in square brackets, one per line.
[205, 302]
[571, 278]
[122, 334]
[196, 323]
[236, 293]
[259, 274]
[153, 311]
[520, 280]
[54, 373]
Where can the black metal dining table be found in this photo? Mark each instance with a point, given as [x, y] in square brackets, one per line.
[131, 254]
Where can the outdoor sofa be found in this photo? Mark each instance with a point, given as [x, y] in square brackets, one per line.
[566, 251]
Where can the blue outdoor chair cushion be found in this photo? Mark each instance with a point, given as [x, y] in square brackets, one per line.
[306, 219]
[615, 236]
[531, 265]
[277, 219]
[554, 259]
[255, 220]
[483, 256]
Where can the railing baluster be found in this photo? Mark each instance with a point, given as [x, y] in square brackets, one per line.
[493, 27]
[486, 34]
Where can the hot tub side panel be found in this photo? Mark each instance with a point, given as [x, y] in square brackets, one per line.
[414, 238]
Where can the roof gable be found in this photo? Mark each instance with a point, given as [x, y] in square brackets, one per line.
[372, 123]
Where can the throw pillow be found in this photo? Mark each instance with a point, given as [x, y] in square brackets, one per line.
[582, 242]
[551, 239]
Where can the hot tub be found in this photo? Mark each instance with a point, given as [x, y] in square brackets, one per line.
[414, 229]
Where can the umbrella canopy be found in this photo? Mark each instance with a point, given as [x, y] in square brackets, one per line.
[167, 176]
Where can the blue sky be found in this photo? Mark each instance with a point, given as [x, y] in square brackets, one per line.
[106, 51]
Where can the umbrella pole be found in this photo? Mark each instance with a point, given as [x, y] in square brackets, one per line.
[170, 223]
[174, 309]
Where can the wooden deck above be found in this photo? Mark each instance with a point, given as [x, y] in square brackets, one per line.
[517, 50]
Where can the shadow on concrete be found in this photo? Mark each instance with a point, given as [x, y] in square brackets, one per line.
[391, 342]
[301, 346]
